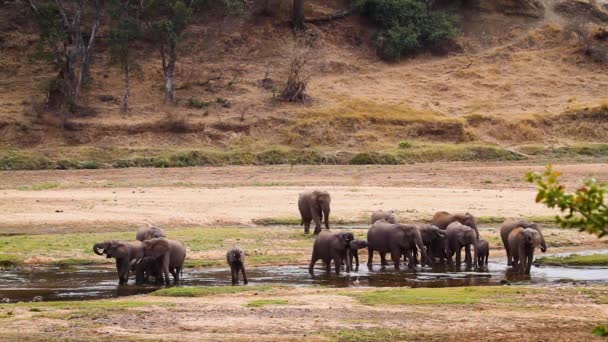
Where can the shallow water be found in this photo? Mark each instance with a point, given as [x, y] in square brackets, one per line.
[93, 282]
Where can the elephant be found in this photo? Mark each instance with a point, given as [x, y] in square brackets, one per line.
[442, 219]
[236, 260]
[125, 253]
[314, 205]
[380, 214]
[458, 236]
[433, 239]
[170, 255]
[355, 246]
[522, 242]
[483, 252]
[146, 267]
[331, 245]
[150, 232]
[397, 239]
[509, 225]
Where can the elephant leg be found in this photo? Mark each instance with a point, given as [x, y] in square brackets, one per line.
[237, 269]
[356, 255]
[383, 261]
[370, 256]
[396, 254]
[307, 226]
[311, 266]
[245, 281]
[337, 262]
[529, 259]
[467, 254]
[458, 255]
[317, 219]
[327, 265]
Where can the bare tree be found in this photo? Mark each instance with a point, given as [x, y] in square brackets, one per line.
[298, 15]
[299, 72]
[62, 29]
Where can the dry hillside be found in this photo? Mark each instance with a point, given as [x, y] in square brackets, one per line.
[513, 86]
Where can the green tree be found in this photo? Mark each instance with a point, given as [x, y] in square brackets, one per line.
[125, 29]
[67, 38]
[585, 209]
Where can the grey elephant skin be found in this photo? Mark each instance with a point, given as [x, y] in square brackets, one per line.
[442, 219]
[146, 267]
[387, 216]
[314, 205]
[458, 236]
[147, 233]
[236, 260]
[483, 252]
[330, 246]
[125, 253]
[355, 246]
[170, 255]
[509, 225]
[522, 243]
[433, 239]
[397, 239]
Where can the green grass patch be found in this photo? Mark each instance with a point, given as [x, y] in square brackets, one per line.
[264, 302]
[278, 221]
[434, 296]
[9, 260]
[42, 186]
[574, 260]
[370, 335]
[204, 291]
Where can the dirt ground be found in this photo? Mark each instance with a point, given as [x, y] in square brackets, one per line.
[239, 195]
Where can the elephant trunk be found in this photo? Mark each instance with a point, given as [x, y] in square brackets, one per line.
[97, 247]
[326, 214]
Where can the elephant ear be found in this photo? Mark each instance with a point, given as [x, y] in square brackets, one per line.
[156, 247]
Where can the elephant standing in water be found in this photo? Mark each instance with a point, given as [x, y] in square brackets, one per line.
[509, 225]
[125, 253]
[433, 239]
[483, 252]
[314, 205]
[170, 255]
[459, 236]
[442, 219]
[236, 260]
[522, 243]
[397, 239]
[355, 246]
[330, 246]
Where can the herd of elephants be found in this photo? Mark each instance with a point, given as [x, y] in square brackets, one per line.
[153, 255]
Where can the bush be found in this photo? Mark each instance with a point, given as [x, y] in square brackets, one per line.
[374, 158]
[408, 25]
[405, 144]
[196, 103]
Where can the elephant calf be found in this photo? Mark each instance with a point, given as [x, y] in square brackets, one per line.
[483, 251]
[236, 260]
[522, 243]
[355, 246]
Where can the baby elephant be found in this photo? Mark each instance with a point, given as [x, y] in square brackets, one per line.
[236, 260]
[483, 251]
[355, 246]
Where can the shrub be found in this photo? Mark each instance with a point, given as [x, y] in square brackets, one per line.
[405, 144]
[196, 103]
[408, 25]
[374, 158]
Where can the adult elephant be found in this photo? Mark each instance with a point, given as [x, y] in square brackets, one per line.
[330, 246]
[169, 254]
[314, 205]
[380, 214]
[125, 253]
[509, 225]
[150, 232]
[458, 236]
[433, 239]
[522, 243]
[442, 219]
[397, 239]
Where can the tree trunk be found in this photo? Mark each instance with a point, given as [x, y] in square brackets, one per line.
[168, 68]
[298, 15]
[125, 100]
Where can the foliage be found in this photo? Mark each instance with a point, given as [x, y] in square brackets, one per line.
[48, 20]
[600, 331]
[408, 25]
[585, 209]
[575, 260]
